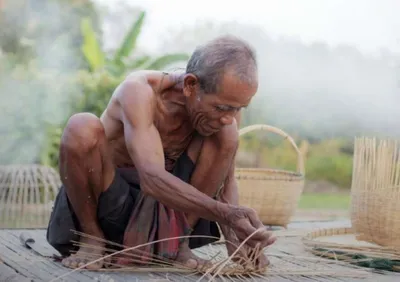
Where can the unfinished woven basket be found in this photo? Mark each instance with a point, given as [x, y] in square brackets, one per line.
[26, 195]
[273, 193]
[375, 191]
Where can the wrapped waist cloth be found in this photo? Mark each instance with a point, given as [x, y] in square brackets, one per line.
[128, 217]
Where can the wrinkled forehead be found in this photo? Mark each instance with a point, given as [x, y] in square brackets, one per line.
[238, 89]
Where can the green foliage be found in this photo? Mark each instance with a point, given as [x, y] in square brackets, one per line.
[129, 43]
[105, 72]
[338, 201]
[26, 34]
[91, 48]
[335, 169]
[324, 160]
[97, 89]
[123, 59]
[38, 58]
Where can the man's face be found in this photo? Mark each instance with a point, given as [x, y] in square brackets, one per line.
[210, 112]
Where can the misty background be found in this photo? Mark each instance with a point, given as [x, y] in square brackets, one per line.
[329, 70]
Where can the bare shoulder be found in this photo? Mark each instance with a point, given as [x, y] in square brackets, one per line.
[158, 80]
[141, 87]
[134, 99]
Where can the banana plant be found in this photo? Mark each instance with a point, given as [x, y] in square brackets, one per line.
[102, 75]
[121, 61]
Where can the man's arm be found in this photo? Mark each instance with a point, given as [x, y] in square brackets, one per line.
[229, 195]
[144, 145]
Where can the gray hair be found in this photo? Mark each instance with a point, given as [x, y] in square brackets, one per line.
[211, 61]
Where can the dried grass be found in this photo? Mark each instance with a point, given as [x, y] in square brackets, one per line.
[221, 265]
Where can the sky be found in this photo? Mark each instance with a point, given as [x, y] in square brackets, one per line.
[366, 24]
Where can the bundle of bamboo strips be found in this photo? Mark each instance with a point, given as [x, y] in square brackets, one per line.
[219, 264]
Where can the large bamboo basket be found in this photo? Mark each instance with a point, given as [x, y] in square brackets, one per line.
[375, 191]
[273, 193]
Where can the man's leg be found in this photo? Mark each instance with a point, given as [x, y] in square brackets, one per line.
[212, 161]
[86, 171]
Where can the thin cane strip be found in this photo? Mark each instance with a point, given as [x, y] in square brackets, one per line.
[148, 265]
[166, 261]
[235, 252]
[211, 259]
[350, 274]
[160, 258]
[124, 247]
[147, 269]
[393, 157]
[258, 255]
[254, 252]
[134, 248]
[211, 269]
[220, 269]
[87, 255]
[397, 174]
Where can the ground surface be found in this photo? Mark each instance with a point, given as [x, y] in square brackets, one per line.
[19, 263]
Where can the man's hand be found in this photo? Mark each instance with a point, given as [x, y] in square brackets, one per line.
[246, 256]
[244, 222]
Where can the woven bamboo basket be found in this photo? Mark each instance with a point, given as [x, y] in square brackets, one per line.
[375, 191]
[272, 193]
[27, 193]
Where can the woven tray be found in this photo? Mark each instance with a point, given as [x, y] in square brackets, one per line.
[342, 244]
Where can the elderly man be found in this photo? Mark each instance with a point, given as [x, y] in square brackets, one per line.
[159, 162]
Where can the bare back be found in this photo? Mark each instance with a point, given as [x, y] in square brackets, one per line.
[170, 118]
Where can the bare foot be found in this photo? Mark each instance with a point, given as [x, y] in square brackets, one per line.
[187, 258]
[86, 254]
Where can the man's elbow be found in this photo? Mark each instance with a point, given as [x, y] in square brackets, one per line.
[150, 179]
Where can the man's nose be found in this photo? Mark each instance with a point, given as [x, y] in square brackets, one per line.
[227, 119]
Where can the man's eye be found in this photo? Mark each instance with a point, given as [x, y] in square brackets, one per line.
[222, 108]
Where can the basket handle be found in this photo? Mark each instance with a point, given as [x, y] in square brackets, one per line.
[300, 161]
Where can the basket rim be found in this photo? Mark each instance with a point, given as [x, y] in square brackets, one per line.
[273, 170]
[309, 239]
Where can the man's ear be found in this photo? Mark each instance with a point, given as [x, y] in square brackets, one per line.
[190, 83]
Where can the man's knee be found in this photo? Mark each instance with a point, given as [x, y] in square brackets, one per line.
[228, 140]
[82, 132]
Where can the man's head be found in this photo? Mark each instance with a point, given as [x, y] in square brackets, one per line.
[221, 78]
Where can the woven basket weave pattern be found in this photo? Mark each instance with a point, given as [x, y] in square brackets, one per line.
[273, 193]
[375, 191]
[27, 193]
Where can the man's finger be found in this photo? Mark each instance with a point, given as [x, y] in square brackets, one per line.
[271, 240]
[244, 230]
[262, 237]
[254, 220]
[263, 262]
